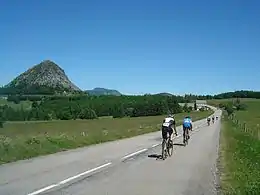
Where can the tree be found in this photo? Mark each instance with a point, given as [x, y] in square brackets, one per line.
[229, 109]
[1, 124]
[195, 106]
[34, 104]
[190, 108]
[185, 107]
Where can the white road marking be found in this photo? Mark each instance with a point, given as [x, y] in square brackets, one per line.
[94, 169]
[42, 190]
[69, 179]
[84, 173]
[155, 145]
[135, 153]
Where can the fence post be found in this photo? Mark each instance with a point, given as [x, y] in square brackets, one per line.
[258, 131]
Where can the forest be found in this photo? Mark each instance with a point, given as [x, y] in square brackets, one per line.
[83, 106]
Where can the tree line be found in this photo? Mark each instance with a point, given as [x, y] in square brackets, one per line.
[82, 106]
[91, 107]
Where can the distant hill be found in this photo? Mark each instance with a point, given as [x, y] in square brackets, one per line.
[164, 94]
[103, 91]
[44, 78]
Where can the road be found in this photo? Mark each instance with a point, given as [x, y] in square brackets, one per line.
[125, 166]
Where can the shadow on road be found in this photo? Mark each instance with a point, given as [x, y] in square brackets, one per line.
[156, 156]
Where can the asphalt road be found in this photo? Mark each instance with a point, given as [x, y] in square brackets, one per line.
[121, 167]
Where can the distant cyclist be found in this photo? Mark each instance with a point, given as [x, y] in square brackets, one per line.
[208, 120]
[187, 125]
[168, 122]
[213, 119]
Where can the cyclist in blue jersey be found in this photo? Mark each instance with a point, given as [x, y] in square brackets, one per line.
[187, 125]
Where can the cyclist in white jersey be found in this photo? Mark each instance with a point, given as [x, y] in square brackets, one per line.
[168, 122]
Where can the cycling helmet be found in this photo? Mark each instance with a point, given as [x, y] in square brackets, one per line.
[171, 116]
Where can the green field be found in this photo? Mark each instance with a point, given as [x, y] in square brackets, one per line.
[27, 139]
[240, 151]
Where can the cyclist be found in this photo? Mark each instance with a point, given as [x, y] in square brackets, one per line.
[213, 118]
[208, 120]
[187, 125]
[167, 124]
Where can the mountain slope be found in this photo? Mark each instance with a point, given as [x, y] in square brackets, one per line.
[103, 91]
[46, 77]
[164, 94]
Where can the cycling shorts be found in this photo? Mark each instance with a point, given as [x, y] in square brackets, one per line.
[165, 131]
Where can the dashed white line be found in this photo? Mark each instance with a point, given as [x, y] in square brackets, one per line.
[155, 145]
[42, 190]
[84, 173]
[69, 179]
[92, 170]
[135, 153]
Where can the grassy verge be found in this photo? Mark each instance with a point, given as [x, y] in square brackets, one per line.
[25, 140]
[239, 158]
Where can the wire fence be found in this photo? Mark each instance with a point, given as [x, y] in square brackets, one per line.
[254, 131]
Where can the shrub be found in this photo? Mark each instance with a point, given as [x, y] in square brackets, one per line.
[229, 108]
[1, 124]
[241, 107]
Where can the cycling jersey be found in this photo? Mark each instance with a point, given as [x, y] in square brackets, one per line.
[167, 127]
[168, 122]
[187, 123]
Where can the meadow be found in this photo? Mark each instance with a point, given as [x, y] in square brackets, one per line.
[240, 149]
[23, 140]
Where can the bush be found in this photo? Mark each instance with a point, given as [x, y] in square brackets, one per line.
[221, 105]
[185, 107]
[241, 107]
[229, 108]
[1, 124]
[202, 109]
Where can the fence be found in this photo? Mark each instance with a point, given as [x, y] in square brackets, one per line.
[244, 127]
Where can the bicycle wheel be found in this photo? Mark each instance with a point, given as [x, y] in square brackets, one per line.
[170, 148]
[187, 138]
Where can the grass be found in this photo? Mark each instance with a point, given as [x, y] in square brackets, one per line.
[22, 104]
[25, 140]
[250, 116]
[240, 152]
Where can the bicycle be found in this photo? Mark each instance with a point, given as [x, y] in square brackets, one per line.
[186, 136]
[167, 148]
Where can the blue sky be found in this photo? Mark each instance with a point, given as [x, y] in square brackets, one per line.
[137, 46]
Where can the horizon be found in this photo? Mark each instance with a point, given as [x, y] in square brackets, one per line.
[136, 47]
